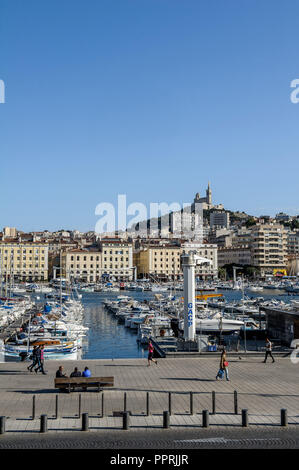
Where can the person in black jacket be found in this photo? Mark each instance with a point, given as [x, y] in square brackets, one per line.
[76, 373]
[60, 373]
[34, 357]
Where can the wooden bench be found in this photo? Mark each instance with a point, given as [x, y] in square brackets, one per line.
[69, 384]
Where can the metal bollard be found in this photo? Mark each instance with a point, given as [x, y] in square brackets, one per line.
[147, 404]
[33, 407]
[236, 402]
[85, 424]
[169, 402]
[103, 405]
[191, 404]
[166, 419]
[79, 405]
[205, 418]
[56, 407]
[244, 418]
[125, 401]
[126, 420]
[284, 417]
[43, 423]
[213, 402]
[2, 424]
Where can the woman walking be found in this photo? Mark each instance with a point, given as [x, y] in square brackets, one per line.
[151, 354]
[223, 367]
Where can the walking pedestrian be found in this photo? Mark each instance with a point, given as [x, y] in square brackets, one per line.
[34, 358]
[41, 360]
[223, 367]
[268, 351]
[150, 356]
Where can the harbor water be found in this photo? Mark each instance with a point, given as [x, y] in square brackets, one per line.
[107, 338]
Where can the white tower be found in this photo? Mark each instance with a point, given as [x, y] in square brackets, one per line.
[189, 261]
[188, 265]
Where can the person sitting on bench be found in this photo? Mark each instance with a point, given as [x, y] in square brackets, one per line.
[76, 373]
[86, 372]
[59, 373]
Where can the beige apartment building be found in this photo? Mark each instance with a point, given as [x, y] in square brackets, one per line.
[82, 265]
[269, 248]
[9, 232]
[25, 261]
[159, 262]
[112, 258]
[204, 250]
[117, 259]
[164, 262]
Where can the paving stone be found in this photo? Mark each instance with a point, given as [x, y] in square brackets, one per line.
[263, 389]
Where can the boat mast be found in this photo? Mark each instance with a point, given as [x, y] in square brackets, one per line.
[1, 274]
[244, 312]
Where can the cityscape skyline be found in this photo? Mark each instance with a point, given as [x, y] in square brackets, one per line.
[168, 209]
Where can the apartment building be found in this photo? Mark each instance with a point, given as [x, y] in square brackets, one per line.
[238, 255]
[9, 232]
[164, 262]
[269, 248]
[111, 259]
[157, 261]
[219, 219]
[81, 265]
[293, 243]
[117, 259]
[205, 250]
[23, 261]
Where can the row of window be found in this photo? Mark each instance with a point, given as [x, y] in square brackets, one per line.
[97, 266]
[173, 265]
[97, 272]
[29, 258]
[24, 250]
[30, 266]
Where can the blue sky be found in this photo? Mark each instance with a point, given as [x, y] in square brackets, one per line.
[148, 98]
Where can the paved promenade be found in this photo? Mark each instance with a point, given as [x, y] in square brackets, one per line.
[262, 389]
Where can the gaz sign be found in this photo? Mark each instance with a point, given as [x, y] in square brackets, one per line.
[190, 314]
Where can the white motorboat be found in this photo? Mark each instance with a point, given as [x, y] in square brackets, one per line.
[215, 324]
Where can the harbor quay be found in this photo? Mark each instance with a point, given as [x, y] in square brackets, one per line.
[178, 393]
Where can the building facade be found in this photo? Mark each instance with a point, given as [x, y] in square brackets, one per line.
[83, 265]
[158, 262]
[164, 262]
[205, 250]
[26, 261]
[117, 259]
[269, 248]
[293, 243]
[111, 260]
[239, 256]
[219, 219]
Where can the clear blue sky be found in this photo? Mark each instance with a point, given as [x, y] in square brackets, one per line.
[148, 98]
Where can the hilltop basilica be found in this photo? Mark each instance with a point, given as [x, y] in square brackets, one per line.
[206, 201]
